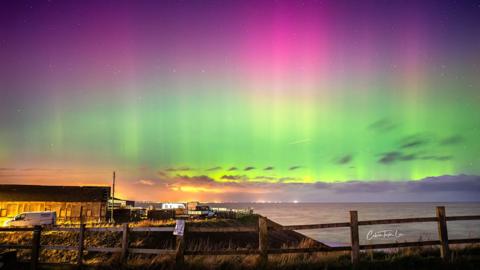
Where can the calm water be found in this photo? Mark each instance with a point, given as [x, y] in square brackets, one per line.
[309, 213]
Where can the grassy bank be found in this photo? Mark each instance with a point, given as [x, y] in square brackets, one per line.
[464, 257]
[153, 240]
[467, 257]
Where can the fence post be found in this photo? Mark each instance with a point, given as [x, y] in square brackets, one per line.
[180, 250]
[263, 242]
[81, 215]
[443, 233]
[35, 247]
[81, 234]
[124, 253]
[354, 237]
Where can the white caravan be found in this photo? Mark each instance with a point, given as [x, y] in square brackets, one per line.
[173, 206]
[29, 219]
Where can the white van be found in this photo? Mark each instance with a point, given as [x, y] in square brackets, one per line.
[29, 219]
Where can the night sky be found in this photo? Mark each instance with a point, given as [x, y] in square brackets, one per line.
[241, 100]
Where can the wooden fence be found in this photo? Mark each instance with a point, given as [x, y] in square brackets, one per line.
[262, 229]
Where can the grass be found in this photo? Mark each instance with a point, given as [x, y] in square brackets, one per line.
[463, 256]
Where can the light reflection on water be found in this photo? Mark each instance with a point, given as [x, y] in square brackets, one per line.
[312, 213]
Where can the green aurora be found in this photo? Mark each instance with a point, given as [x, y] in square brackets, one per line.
[274, 93]
[338, 136]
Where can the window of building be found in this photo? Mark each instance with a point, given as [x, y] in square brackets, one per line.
[11, 209]
[34, 207]
[89, 213]
[69, 212]
[62, 212]
[3, 212]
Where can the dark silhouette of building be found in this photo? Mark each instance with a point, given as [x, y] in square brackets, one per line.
[66, 201]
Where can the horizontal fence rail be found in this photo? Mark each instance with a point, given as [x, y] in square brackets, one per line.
[397, 221]
[262, 229]
[222, 229]
[310, 226]
[455, 218]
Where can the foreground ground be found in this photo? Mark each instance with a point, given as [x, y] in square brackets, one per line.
[419, 258]
[463, 257]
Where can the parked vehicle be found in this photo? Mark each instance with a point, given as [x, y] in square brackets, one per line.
[173, 206]
[202, 211]
[28, 219]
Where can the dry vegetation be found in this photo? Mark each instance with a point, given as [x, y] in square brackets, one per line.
[464, 257]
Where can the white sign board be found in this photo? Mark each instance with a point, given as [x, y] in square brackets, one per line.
[179, 227]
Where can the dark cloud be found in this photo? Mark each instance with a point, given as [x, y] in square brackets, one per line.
[390, 157]
[437, 158]
[214, 169]
[269, 168]
[345, 159]
[455, 139]
[394, 156]
[446, 183]
[413, 141]
[260, 177]
[233, 169]
[7, 169]
[234, 177]
[382, 125]
[249, 168]
[362, 186]
[200, 179]
[408, 157]
[180, 169]
[459, 187]
[162, 174]
[294, 168]
[412, 144]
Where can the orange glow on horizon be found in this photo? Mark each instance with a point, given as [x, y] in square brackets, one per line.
[193, 189]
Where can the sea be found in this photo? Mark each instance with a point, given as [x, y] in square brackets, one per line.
[314, 213]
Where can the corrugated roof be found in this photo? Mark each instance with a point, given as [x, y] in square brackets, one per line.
[54, 193]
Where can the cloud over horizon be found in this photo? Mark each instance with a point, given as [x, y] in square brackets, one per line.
[242, 188]
[182, 186]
